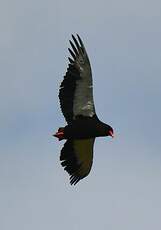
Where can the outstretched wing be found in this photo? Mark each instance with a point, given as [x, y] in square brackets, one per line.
[76, 90]
[77, 158]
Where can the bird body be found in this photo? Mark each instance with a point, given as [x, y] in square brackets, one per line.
[77, 105]
[83, 128]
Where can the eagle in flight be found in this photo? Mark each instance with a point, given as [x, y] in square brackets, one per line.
[77, 105]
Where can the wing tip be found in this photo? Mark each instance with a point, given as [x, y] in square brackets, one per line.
[74, 180]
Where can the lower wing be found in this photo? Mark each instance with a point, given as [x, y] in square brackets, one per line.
[77, 158]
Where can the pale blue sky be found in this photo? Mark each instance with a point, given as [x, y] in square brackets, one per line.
[123, 41]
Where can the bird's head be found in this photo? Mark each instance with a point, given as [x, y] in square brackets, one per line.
[105, 130]
[110, 132]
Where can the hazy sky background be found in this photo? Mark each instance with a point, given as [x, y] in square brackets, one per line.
[123, 190]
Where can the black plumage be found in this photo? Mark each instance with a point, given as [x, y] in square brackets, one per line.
[77, 105]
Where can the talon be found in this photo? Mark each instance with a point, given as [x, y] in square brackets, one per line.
[59, 135]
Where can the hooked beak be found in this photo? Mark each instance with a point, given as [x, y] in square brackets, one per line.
[111, 134]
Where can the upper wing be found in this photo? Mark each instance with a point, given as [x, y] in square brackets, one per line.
[77, 158]
[76, 90]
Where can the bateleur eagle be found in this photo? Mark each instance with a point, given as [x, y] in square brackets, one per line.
[77, 105]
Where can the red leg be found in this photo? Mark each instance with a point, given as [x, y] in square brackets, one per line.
[59, 134]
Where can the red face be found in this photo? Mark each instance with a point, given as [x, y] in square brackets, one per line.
[111, 133]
